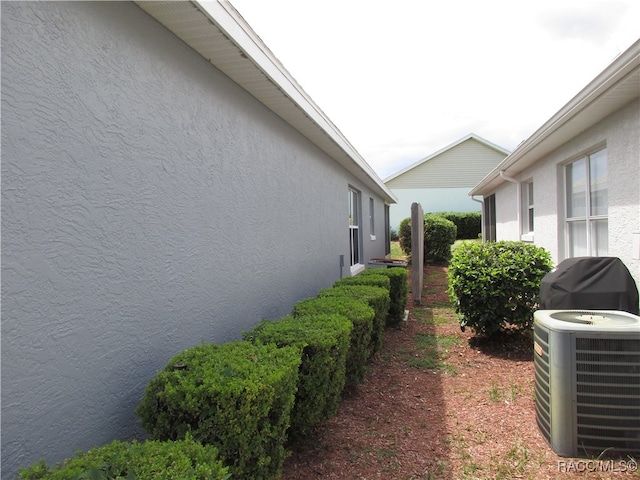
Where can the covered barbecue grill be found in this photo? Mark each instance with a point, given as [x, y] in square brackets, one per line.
[589, 283]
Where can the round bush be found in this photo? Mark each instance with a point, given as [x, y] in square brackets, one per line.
[496, 285]
[439, 235]
[405, 235]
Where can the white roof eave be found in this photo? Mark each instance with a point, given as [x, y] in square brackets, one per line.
[217, 31]
[613, 88]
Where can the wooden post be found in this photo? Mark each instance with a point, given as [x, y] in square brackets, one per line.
[417, 252]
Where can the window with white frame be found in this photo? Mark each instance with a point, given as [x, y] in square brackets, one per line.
[354, 226]
[587, 225]
[372, 225]
[387, 230]
[528, 212]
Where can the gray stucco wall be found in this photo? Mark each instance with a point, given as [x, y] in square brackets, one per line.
[148, 204]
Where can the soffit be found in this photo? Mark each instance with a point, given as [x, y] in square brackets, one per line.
[218, 33]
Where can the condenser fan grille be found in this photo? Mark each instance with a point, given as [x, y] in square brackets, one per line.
[608, 393]
[542, 391]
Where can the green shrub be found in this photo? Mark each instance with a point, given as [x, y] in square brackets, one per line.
[361, 316]
[324, 342]
[496, 285]
[237, 396]
[374, 279]
[376, 297]
[469, 224]
[405, 235]
[439, 235]
[398, 291]
[393, 235]
[184, 459]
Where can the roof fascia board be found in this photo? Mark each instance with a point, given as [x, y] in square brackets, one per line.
[224, 17]
[622, 66]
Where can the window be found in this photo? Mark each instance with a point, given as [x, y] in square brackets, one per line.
[527, 212]
[586, 197]
[372, 225]
[354, 226]
[387, 230]
[490, 219]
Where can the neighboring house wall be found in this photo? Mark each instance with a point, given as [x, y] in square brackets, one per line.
[148, 204]
[442, 181]
[619, 133]
[432, 200]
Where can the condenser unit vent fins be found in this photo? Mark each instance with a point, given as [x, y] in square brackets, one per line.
[542, 392]
[607, 394]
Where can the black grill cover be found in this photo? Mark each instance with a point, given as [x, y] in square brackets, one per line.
[589, 283]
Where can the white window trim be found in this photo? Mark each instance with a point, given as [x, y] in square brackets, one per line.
[588, 218]
[358, 267]
[372, 223]
[527, 237]
[526, 234]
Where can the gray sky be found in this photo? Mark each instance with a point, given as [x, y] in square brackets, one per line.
[404, 78]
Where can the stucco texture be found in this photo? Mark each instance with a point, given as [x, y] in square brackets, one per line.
[148, 204]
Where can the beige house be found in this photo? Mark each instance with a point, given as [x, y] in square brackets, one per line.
[573, 187]
[441, 181]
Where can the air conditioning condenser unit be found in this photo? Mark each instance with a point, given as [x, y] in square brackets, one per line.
[587, 380]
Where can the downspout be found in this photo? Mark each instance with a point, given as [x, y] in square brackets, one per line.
[518, 199]
[481, 202]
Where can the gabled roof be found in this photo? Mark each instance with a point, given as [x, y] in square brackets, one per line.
[217, 31]
[449, 147]
[616, 86]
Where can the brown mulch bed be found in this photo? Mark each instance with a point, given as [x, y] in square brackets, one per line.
[470, 417]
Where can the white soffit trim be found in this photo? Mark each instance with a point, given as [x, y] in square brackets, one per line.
[616, 86]
[217, 31]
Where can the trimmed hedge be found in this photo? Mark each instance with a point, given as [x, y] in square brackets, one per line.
[237, 396]
[496, 285]
[361, 316]
[374, 279]
[469, 224]
[376, 297]
[185, 459]
[324, 342]
[398, 291]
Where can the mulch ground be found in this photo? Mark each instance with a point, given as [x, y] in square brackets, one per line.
[471, 415]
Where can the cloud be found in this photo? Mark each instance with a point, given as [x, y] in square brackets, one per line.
[589, 22]
[403, 79]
